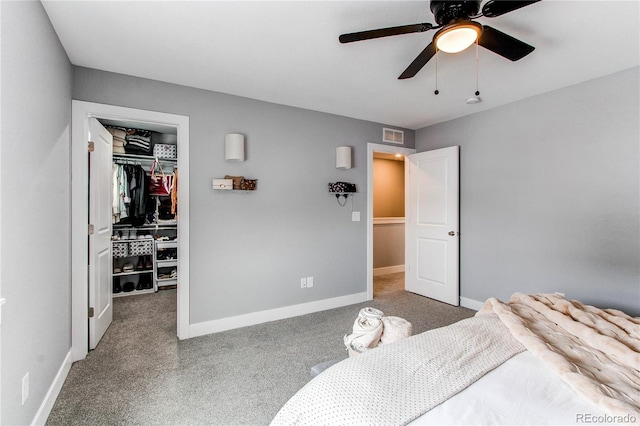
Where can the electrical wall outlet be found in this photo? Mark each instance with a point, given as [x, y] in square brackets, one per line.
[25, 388]
[309, 282]
[303, 282]
[355, 216]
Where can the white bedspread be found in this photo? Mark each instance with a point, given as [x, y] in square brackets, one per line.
[396, 383]
[521, 391]
[595, 352]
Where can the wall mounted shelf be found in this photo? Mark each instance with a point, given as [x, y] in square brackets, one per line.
[234, 184]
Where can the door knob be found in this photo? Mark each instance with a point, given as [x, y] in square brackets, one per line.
[452, 233]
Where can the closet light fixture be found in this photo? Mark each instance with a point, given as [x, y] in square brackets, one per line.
[343, 157]
[234, 147]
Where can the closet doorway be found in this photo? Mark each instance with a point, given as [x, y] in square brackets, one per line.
[82, 113]
[385, 218]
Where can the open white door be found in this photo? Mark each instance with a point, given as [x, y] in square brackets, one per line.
[100, 190]
[432, 224]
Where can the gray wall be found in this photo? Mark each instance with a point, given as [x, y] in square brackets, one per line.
[36, 115]
[550, 194]
[248, 252]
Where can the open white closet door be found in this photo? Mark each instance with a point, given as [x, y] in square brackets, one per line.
[432, 224]
[100, 207]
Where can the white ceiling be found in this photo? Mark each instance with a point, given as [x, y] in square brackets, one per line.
[287, 52]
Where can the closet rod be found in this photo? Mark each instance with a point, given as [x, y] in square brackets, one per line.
[127, 161]
[149, 227]
[141, 157]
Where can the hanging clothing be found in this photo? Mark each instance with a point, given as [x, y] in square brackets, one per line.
[174, 194]
[115, 202]
[121, 195]
[138, 193]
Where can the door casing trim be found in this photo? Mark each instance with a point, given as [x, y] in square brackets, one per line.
[371, 149]
[80, 113]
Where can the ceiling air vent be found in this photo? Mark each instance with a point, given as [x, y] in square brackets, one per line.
[392, 136]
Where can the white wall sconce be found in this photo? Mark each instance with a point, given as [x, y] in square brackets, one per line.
[343, 157]
[234, 147]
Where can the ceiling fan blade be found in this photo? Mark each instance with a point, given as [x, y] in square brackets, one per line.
[494, 8]
[503, 44]
[419, 62]
[385, 32]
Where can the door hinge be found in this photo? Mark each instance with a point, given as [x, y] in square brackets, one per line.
[91, 147]
[90, 312]
[90, 229]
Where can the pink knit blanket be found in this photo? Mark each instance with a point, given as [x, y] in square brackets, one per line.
[596, 351]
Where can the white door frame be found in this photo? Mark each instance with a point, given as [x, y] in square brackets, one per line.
[80, 113]
[371, 148]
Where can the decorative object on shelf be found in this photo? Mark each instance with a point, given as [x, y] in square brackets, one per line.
[237, 181]
[248, 184]
[234, 147]
[342, 189]
[223, 184]
[343, 157]
[165, 151]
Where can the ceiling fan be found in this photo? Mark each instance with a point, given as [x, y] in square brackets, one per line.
[456, 31]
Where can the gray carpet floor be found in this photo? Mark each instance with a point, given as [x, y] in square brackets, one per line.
[140, 374]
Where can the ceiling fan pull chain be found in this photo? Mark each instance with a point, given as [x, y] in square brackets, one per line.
[436, 92]
[477, 66]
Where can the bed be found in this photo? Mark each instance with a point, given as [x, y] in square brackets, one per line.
[536, 359]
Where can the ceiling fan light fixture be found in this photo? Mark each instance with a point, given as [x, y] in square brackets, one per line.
[457, 37]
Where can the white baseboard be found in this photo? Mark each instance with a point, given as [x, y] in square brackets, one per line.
[53, 392]
[471, 304]
[388, 270]
[216, 326]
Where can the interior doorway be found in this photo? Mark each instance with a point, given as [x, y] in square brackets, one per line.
[388, 223]
[383, 260]
[82, 112]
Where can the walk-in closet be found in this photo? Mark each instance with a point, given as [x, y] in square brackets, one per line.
[144, 208]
